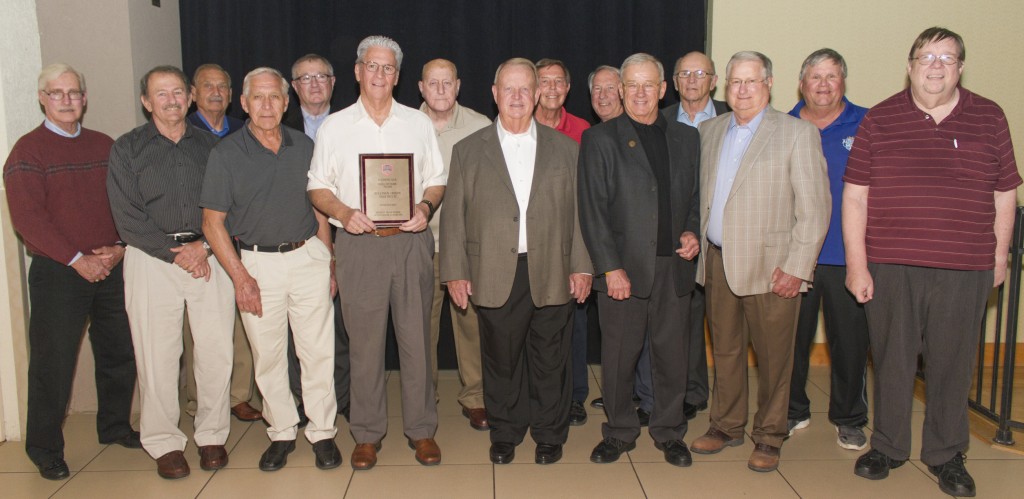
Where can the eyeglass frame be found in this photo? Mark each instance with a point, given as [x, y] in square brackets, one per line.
[699, 74]
[373, 67]
[736, 82]
[307, 79]
[923, 59]
[58, 95]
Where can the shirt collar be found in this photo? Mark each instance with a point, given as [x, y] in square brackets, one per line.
[709, 110]
[51, 126]
[314, 117]
[752, 124]
[454, 122]
[253, 144]
[503, 134]
[362, 114]
[223, 132]
[151, 130]
[659, 122]
[846, 116]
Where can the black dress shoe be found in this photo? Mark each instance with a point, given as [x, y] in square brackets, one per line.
[954, 478]
[597, 403]
[577, 414]
[276, 456]
[56, 469]
[503, 452]
[875, 466]
[609, 450]
[132, 440]
[548, 453]
[327, 454]
[676, 453]
[690, 410]
[643, 416]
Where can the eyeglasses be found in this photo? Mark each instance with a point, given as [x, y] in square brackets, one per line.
[58, 95]
[699, 74]
[373, 67]
[633, 87]
[308, 78]
[928, 59]
[738, 83]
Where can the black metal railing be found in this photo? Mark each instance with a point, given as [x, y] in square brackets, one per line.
[997, 385]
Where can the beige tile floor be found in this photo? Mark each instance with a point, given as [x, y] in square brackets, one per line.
[812, 465]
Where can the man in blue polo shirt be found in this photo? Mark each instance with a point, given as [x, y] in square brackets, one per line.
[823, 85]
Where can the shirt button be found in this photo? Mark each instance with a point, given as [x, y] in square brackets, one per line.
[653, 243]
[514, 250]
[515, 219]
[654, 188]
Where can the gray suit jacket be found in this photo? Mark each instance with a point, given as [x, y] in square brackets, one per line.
[480, 221]
[778, 208]
[619, 201]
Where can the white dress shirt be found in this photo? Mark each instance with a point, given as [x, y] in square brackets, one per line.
[520, 152]
[346, 134]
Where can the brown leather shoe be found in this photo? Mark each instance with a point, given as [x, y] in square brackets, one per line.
[477, 418]
[765, 458]
[212, 457]
[364, 456]
[714, 441]
[172, 465]
[427, 451]
[245, 412]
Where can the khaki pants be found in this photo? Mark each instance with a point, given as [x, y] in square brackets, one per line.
[157, 295]
[466, 329]
[242, 380]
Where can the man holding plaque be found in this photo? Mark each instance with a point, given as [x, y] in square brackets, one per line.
[510, 239]
[377, 173]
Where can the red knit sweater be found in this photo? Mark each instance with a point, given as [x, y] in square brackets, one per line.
[57, 193]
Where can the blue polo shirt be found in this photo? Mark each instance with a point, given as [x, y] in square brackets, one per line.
[836, 142]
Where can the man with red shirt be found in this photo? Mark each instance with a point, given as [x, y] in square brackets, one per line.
[554, 87]
[56, 190]
[938, 162]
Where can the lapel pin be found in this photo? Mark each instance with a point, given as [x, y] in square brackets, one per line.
[632, 143]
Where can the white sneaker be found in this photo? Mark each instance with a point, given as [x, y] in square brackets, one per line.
[798, 424]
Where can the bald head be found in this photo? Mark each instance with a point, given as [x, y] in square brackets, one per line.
[439, 64]
[439, 86]
[696, 87]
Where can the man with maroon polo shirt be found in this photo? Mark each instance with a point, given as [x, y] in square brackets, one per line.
[939, 165]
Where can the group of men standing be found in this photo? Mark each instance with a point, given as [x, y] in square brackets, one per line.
[755, 221]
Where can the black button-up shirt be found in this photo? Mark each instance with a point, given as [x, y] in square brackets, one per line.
[154, 185]
[652, 138]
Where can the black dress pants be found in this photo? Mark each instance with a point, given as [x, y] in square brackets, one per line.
[61, 302]
[526, 353]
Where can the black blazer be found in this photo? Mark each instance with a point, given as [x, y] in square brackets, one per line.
[671, 112]
[618, 199]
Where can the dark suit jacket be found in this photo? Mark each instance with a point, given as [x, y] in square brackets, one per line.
[619, 201]
[234, 124]
[672, 112]
[480, 220]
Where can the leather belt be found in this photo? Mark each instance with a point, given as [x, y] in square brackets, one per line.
[714, 246]
[185, 237]
[386, 231]
[271, 248]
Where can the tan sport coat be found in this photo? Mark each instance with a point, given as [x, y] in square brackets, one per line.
[778, 208]
[480, 221]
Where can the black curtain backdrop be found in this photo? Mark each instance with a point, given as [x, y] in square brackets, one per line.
[476, 35]
[241, 35]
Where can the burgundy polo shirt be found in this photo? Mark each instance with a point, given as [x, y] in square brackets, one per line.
[930, 202]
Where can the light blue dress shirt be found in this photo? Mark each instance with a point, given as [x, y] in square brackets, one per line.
[734, 146]
[702, 116]
[312, 123]
[51, 126]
